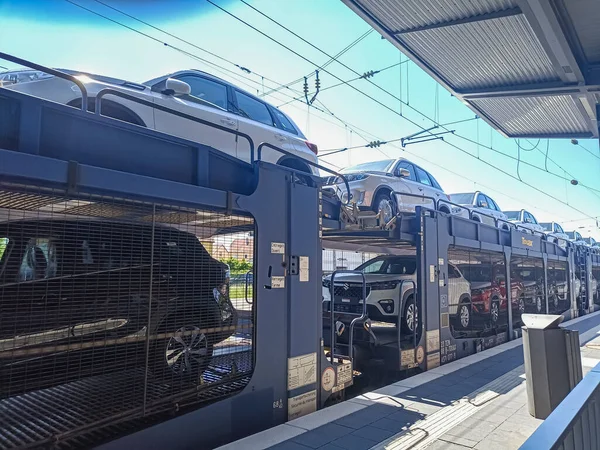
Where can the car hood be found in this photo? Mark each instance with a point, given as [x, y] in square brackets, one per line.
[104, 79]
[370, 278]
[368, 172]
[480, 284]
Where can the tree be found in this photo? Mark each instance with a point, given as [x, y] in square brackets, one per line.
[237, 265]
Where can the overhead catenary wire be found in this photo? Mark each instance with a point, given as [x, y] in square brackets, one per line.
[337, 55]
[191, 44]
[379, 87]
[407, 103]
[358, 90]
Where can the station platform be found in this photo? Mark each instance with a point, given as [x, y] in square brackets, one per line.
[476, 402]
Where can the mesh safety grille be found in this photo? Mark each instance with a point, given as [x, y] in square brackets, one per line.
[116, 314]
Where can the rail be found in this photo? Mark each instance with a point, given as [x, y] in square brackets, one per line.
[575, 423]
[318, 166]
[48, 70]
[133, 98]
[363, 316]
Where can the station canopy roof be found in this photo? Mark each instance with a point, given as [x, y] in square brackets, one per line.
[530, 68]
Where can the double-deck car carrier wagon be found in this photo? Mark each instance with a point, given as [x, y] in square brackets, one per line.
[122, 325]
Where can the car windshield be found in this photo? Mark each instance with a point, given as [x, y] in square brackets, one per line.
[375, 166]
[474, 273]
[462, 199]
[400, 265]
[513, 215]
[547, 226]
[571, 234]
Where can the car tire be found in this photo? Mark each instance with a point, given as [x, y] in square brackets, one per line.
[495, 311]
[410, 316]
[554, 299]
[464, 314]
[181, 360]
[538, 304]
[168, 359]
[383, 201]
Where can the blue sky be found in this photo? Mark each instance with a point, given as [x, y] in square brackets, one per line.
[60, 34]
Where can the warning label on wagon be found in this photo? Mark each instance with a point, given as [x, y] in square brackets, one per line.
[302, 370]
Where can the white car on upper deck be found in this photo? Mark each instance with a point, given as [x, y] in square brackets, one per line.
[481, 208]
[391, 186]
[524, 220]
[191, 92]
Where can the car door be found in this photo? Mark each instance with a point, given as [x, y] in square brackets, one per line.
[208, 101]
[426, 188]
[406, 185]
[482, 207]
[256, 120]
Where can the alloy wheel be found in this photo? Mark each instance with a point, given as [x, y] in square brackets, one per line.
[412, 316]
[495, 312]
[187, 350]
[465, 316]
[385, 206]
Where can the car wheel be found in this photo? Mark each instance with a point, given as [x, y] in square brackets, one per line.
[495, 311]
[182, 357]
[384, 203]
[555, 302]
[538, 304]
[410, 321]
[464, 315]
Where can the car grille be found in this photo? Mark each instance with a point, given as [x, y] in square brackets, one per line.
[347, 308]
[348, 291]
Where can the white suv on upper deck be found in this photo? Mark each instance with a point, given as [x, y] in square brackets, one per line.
[525, 220]
[481, 208]
[191, 92]
[391, 186]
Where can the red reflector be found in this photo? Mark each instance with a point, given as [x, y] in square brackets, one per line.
[313, 148]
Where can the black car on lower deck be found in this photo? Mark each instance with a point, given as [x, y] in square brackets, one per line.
[86, 297]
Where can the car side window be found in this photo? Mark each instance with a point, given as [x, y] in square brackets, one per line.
[286, 124]
[452, 272]
[253, 109]
[435, 183]
[492, 203]
[409, 167]
[558, 228]
[207, 90]
[423, 177]
[482, 201]
[39, 260]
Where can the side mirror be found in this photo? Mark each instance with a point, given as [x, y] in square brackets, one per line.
[403, 173]
[176, 87]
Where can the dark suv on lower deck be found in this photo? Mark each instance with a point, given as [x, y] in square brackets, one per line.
[86, 297]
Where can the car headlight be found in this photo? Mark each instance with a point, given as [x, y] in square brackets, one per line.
[355, 177]
[384, 286]
[221, 295]
[327, 284]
